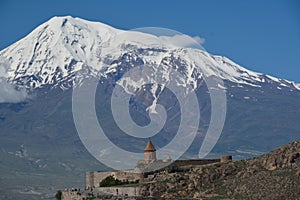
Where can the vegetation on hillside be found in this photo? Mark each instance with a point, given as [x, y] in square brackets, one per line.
[111, 181]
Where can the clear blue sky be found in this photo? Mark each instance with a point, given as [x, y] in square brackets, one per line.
[260, 35]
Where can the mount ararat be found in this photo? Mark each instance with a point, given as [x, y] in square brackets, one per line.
[39, 140]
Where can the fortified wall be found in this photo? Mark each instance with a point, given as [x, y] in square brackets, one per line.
[181, 163]
[94, 178]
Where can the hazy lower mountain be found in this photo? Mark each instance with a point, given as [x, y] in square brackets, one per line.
[40, 148]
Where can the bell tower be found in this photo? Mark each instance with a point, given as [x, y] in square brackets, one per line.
[149, 152]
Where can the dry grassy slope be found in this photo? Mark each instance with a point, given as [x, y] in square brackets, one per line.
[275, 175]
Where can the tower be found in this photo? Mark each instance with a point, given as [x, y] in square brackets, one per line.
[149, 152]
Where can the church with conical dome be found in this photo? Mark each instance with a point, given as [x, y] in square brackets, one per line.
[144, 167]
[149, 153]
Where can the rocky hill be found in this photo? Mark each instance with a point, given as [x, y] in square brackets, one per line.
[275, 175]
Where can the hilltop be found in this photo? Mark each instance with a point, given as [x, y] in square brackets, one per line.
[275, 175]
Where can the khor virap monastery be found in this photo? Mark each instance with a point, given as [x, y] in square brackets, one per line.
[145, 167]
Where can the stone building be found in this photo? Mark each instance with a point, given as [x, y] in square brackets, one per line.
[94, 178]
[143, 167]
[149, 153]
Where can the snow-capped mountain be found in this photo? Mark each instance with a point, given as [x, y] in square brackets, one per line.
[61, 49]
[263, 112]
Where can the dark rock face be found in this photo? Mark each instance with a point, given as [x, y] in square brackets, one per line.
[275, 175]
[286, 156]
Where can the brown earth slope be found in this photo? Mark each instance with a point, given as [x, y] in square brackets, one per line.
[275, 175]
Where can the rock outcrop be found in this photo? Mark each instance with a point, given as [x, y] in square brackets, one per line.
[275, 175]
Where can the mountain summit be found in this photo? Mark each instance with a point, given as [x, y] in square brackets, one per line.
[59, 49]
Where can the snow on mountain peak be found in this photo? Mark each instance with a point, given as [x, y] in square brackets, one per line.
[50, 49]
[63, 46]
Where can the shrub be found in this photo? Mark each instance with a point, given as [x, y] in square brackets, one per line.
[58, 195]
[109, 182]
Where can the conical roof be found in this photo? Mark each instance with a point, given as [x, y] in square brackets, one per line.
[149, 146]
